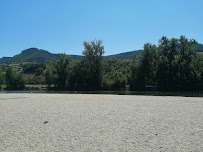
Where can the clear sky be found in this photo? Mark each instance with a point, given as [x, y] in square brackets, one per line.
[124, 25]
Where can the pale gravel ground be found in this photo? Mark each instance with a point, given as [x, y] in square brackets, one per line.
[108, 123]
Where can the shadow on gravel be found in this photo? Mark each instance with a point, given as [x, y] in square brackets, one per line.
[150, 93]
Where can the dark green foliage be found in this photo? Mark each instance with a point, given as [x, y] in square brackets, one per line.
[87, 72]
[34, 68]
[10, 78]
[93, 57]
[35, 80]
[143, 72]
[167, 65]
[1, 77]
[198, 71]
[38, 80]
[111, 67]
[20, 81]
[4, 59]
[172, 66]
[58, 72]
[35, 72]
[15, 81]
[79, 76]
[3, 67]
[186, 72]
[49, 76]
[39, 71]
[134, 73]
[34, 76]
[119, 81]
[158, 68]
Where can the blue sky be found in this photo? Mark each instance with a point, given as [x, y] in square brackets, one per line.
[124, 25]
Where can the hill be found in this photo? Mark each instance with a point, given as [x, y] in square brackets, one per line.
[127, 55]
[4, 59]
[34, 55]
[122, 56]
[198, 47]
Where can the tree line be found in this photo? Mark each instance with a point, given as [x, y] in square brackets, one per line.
[173, 65]
[13, 80]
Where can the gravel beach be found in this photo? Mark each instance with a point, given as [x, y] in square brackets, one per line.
[100, 123]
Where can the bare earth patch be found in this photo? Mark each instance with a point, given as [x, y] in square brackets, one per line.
[89, 123]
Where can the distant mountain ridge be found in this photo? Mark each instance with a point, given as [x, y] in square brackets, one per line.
[199, 47]
[35, 55]
[125, 55]
[4, 59]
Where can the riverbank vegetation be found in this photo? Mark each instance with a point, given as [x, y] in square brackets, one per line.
[173, 65]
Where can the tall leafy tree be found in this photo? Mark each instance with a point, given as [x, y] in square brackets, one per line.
[166, 67]
[1, 77]
[93, 57]
[176, 66]
[49, 76]
[10, 78]
[111, 69]
[15, 81]
[119, 81]
[20, 81]
[59, 72]
[197, 64]
[186, 56]
[133, 81]
[79, 76]
[145, 72]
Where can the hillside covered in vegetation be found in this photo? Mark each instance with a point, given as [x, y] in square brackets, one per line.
[173, 65]
[34, 55]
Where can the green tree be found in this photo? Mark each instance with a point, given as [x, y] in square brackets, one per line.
[119, 81]
[93, 61]
[60, 72]
[174, 65]
[79, 76]
[144, 72]
[34, 68]
[10, 78]
[49, 77]
[197, 64]
[20, 81]
[167, 72]
[15, 81]
[39, 71]
[112, 66]
[1, 77]
[185, 68]
[134, 73]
